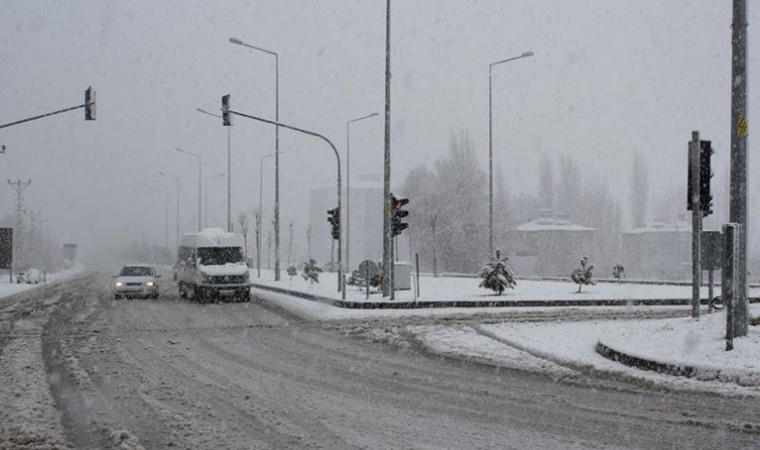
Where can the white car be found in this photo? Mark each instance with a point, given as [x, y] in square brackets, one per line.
[136, 280]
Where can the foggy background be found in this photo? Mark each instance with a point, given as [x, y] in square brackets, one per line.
[607, 79]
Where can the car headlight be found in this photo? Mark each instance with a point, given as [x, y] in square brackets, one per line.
[119, 283]
[149, 283]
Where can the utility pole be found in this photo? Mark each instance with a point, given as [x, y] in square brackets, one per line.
[19, 186]
[387, 241]
[739, 131]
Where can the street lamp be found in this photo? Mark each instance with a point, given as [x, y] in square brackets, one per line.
[205, 224]
[348, 186]
[490, 148]
[199, 181]
[166, 219]
[229, 170]
[276, 150]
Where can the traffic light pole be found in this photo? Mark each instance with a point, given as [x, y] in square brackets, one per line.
[696, 223]
[337, 157]
[89, 106]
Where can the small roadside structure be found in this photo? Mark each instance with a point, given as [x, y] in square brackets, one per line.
[549, 245]
[660, 251]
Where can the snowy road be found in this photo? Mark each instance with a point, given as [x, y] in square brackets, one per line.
[81, 370]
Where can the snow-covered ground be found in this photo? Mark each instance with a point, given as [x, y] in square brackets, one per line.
[446, 289]
[559, 347]
[9, 288]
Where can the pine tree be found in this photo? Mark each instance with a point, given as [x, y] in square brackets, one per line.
[311, 271]
[618, 272]
[583, 275]
[496, 276]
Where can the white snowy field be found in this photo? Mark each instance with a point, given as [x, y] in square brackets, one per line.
[447, 289]
[558, 347]
[9, 288]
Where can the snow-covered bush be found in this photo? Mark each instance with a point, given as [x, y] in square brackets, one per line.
[496, 276]
[618, 272]
[583, 275]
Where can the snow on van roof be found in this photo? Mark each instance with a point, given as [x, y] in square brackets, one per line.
[212, 237]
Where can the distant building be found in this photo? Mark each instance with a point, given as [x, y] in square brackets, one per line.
[366, 222]
[661, 251]
[550, 246]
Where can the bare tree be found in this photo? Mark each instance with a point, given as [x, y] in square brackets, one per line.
[243, 221]
[639, 185]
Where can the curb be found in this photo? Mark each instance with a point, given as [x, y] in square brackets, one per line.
[348, 304]
[736, 376]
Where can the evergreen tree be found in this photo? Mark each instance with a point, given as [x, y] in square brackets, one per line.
[583, 275]
[311, 271]
[496, 276]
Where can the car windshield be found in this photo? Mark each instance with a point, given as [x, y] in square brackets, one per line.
[136, 271]
[216, 256]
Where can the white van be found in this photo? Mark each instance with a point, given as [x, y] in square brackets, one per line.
[211, 264]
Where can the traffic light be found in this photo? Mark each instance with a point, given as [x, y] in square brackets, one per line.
[397, 226]
[333, 218]
[226, 119]
[89, 104]
[705, 173]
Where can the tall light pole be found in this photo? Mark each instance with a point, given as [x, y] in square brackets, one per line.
[276, 151]
[166, 218]
[261, 182]
[490, 148]
[199, 181]
[229, 170]
[348, 186]
[205, 213]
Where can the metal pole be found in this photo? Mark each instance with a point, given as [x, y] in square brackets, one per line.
[490, 166]
[277, 170]
[178, 189]
[387, 245]
[229, 180]
[739, 131]
[729, 280]
[199, 193]
[696, 224]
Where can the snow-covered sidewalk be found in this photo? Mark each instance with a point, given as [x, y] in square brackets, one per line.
[560, 348]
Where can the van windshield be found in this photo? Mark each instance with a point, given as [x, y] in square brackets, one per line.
[215, 256]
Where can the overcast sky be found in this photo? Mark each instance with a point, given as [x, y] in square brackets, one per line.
[607, 78]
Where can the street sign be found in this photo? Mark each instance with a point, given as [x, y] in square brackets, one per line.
[742, 128]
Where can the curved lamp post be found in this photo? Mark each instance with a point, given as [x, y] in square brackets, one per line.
[237, 41]
[490, 148]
